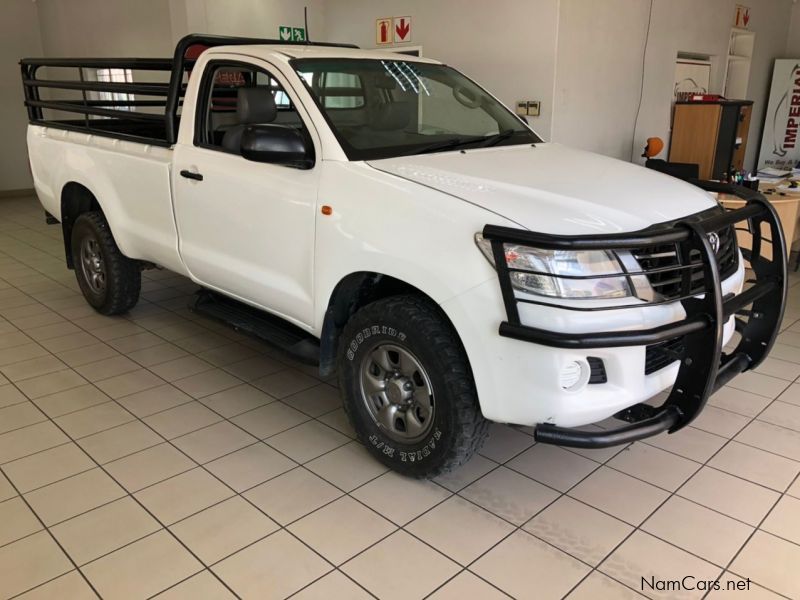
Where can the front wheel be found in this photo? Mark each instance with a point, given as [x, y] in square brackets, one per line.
[407, 387]
[109, 280]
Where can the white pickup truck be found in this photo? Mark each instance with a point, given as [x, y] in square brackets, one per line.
[385, 216]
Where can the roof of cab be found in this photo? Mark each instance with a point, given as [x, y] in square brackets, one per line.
[300, 51]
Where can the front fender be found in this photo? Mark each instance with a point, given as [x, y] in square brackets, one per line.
[383, 224]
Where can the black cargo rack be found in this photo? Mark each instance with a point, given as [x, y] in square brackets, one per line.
[704, 367]
[158, 126]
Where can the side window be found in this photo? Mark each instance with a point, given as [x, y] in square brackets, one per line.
[338, 90]
[236, 96]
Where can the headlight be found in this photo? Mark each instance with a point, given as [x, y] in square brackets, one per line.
[572, 271]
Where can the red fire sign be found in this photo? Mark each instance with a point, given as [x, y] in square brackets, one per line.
[383, 31]
[402, 29]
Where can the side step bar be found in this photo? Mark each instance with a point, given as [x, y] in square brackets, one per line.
[249, 320]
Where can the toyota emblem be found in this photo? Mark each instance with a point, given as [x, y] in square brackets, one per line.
[713, 239]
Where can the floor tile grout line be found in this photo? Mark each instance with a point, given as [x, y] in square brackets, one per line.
[164, 441]
[700, 466]
[171, 383]
[200, 400]
[622, 449]
[52, 537]
[184, 580]
[637, 528]
[518, 528]
[726, 568]
[22, 537]
[142, 506]
[675, 493]
[44, 583]
[222, 482]
[30, 491]
[343, 494]
[72, 441]
[336, 570]
[348, 442]
[605, 464]
[727, 439]
[165, 340]
[611, 552]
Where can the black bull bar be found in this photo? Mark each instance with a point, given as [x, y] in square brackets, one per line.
[704, 367]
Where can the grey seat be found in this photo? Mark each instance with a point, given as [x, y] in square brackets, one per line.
[254, 106]
[389, 116]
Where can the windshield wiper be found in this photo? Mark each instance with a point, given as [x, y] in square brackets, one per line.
[495, 139]
[448, 144]
[481, 141]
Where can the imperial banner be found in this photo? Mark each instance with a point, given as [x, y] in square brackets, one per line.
[780, 147]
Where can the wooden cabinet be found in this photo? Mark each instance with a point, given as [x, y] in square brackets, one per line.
[712, 135]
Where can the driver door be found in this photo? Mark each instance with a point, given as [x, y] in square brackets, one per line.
[246, 228]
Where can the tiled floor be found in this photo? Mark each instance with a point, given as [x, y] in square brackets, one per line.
[163, 454]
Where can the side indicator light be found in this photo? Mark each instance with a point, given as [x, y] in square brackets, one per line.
[327, 210]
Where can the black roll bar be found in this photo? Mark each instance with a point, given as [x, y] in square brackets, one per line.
[172, 91]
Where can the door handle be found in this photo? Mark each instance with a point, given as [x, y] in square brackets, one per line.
[191, 175]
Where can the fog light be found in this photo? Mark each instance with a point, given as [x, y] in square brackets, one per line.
[571, 375]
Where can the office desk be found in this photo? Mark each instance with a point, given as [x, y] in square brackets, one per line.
[788, 209]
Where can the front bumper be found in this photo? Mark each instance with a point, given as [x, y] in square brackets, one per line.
[703, 367]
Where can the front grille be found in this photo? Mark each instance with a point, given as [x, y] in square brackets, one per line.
[663, 264]
[658, 356]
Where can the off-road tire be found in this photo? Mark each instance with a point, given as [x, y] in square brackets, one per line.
[415, 324]
[123, 278]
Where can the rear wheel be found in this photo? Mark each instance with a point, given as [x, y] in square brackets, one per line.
[407, 387]
[110, 281]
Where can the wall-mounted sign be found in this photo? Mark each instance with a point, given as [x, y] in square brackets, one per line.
[402, 30]
[383, 31]
[780, 147]
[292, 34]
[741, 18]
[392, 30]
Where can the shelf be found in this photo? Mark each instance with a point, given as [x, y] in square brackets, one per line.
[738, 62]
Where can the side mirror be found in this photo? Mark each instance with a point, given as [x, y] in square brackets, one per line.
[276, 144]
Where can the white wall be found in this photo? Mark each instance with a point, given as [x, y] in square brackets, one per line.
[19, 37]
[793, 41]
[255, 18]
[600, 48]
[704, 27]
[598, 74]
[582, 58]
[151, 27]
[105, 28]
[507, 45]
[125, 28]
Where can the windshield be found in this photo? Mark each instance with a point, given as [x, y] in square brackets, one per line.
[385, 108]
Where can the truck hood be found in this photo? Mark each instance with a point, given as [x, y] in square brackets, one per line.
[554, 189]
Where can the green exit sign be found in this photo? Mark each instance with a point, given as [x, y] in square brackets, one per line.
[292, 34]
